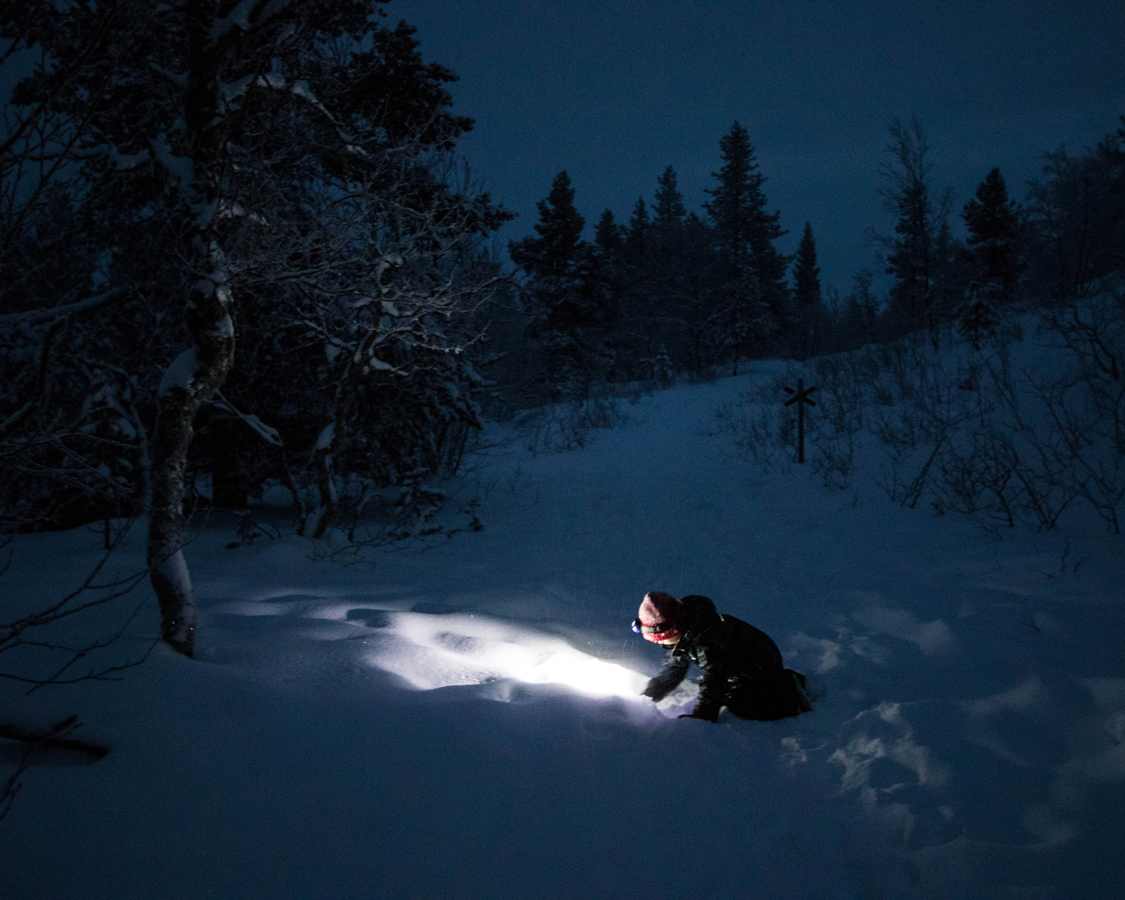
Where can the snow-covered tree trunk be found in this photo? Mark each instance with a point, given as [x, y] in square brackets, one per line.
[325, 481]
[197, 373]
[189, 381]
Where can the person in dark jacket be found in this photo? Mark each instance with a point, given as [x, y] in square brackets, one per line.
[742, 667]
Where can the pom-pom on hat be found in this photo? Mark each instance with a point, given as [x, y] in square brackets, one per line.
[660, 618]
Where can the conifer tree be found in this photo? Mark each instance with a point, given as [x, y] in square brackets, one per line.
[606, 282]
[758, 294]
[570, 305]
[608, 236]
[992, 256]
[806, 273]
[637, 236]
[809, 308]
[912, 256]
[659, 279]
[698, 285]
[670, 210]
[993, 223]
[551, 255]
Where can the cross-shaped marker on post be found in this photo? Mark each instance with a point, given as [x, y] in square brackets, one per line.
[800, 397]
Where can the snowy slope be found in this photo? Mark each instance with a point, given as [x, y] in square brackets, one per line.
[460, 721]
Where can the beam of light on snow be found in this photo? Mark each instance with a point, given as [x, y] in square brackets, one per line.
[432, 651]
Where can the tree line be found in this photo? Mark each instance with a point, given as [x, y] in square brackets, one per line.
[673, 293]
[670, 291]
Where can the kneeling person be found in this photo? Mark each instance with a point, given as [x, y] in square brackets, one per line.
[742, 667]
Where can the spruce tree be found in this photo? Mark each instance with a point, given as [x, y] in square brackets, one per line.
[806, 273]
[659, 279]
[809, 309]
[758, 295]
[571, 302]
[993, 223]
[992, 257]
[912, 254]
[605, 282]
[637, 236]
[698, 310]
[608, 236]
[552, 254]
[670, 210]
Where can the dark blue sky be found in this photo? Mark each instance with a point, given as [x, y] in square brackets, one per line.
[615, 90]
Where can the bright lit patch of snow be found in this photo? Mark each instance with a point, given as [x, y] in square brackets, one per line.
[439, 651]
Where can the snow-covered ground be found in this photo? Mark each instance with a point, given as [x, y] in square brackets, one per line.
[462, 721]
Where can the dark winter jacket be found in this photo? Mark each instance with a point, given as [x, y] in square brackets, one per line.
[742, 667]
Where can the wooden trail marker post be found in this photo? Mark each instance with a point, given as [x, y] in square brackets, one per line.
[800, 397]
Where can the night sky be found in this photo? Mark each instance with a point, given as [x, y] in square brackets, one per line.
[613, 91]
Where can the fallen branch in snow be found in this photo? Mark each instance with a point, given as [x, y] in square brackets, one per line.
[54, 738]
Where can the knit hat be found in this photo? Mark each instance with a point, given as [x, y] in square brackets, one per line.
[661, 617]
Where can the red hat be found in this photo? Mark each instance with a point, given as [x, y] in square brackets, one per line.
[660, 618]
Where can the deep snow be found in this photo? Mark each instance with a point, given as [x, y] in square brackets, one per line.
[398, 730]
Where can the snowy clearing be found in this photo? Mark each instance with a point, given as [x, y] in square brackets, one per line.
[461, 720]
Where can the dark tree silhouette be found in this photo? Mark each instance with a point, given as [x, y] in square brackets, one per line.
[609, 236]
[993, 256]
[669, 207]
[571, 299]
[806, 273]
[757, 293]
[552, 254]
[808, 312]
[637, 234]
[911, 254]
[993, 223]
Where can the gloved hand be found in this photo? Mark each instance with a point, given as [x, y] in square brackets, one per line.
[695, 714]
[654, 690]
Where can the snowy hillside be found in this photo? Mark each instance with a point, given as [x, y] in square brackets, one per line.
[463, 720]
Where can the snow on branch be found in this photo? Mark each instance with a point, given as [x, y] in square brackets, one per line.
[179, 166]
[326, 437]
[123, 162]
[267, 433]
[298, 89]
[233, 90]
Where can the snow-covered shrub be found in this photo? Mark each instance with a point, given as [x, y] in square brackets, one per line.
[571, 426]
[760, 430]
[1009, 431]
[841, 381]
